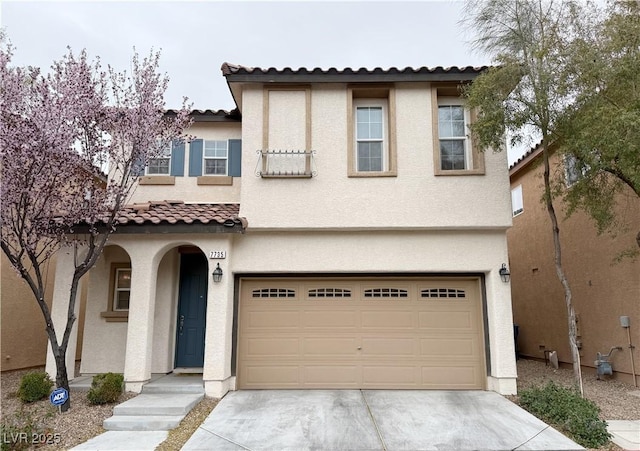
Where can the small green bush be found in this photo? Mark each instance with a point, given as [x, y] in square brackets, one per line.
[105, 388]
[565, 409]
[34, 386]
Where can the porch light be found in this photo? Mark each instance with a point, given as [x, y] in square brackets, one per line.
[505, 275]
[217, 274]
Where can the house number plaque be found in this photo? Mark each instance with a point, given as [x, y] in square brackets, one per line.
[218, 254]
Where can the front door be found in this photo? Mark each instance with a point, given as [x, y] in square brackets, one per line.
[192, 308]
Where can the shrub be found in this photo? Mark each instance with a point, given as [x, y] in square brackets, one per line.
[34, 386]
[568, 411]
[105, 387]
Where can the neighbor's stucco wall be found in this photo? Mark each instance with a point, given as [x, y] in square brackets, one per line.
[186, 188]
[602, 289]
[416, 198]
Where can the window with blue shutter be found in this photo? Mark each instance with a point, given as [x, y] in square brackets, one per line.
[195, 158]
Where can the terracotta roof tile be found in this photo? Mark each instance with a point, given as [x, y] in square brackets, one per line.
[176, 212]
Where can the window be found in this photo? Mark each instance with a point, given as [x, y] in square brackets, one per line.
[517, 205]
[273, 293]
[385, 293]
[119, 293]
[122, 289]
[574, 169]
[442, 293]
[370, 136]
[371, 131]
[215, 157]
[162, 164]
[452, 134]
[454, 153]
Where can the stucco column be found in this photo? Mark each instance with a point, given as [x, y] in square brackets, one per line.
[219, 335]
[59, 311]
[139, 350]
[501, 339]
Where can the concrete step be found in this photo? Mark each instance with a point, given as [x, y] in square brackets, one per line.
[142, 423]
[153, 389]
[155, 404]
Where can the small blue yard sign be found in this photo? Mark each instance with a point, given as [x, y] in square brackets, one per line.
[59, 396]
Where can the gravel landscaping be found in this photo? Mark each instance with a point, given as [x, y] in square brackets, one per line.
[83, 421]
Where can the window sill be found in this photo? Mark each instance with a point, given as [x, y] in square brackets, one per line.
[157, 180]
[459, 172]
[215, 180]
[115, 316]
[373, 174]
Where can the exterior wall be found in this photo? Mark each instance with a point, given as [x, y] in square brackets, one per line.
[186, 188]
[602, 289]
[24, 338]
[416, 198]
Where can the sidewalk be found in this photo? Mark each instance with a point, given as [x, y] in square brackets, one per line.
[626, 434]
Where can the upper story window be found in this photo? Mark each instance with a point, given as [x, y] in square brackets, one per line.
[371, 130]
[454, 153]
[162, 164]
[517, 204]
[371, 142]
[455, 149]
[574, 169]
[215, 157]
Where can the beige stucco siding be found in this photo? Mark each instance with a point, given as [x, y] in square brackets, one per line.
[415, 198]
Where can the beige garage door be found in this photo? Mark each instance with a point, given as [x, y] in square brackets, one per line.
[365, 333]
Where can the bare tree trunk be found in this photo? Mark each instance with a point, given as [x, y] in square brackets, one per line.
[571, 314]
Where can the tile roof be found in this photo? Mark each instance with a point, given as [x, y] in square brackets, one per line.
[177, 212]
[232, 69]
[209, 115]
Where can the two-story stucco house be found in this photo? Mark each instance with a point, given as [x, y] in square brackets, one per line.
[337, 230]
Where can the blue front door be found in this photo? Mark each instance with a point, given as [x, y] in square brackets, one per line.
[192, 308]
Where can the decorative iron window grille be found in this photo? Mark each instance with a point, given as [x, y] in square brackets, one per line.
[330, 293]
[385, 293]
[286, 164]
[273, 293]
[443, 293]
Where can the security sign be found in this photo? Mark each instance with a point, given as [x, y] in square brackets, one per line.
[59, 396]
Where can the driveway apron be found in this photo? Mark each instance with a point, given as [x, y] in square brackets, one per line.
[372, 420]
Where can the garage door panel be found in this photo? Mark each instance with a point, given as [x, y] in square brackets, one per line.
[384, 376]
[332, 375]
[272, 347]
[388, 346]
[449, 347]
[273, 319]
[330, 346]
[450, 376]
[350, 333]
[256, 376]
[446, 320]
[386, 319]
[330, 318]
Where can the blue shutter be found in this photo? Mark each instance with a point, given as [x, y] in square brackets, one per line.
[177, 158]
[235, 157]
[195, 158]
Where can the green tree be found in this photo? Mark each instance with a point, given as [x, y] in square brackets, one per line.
[526, 93]
[601, 130]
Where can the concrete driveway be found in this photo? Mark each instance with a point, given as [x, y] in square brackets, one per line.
[372, 420]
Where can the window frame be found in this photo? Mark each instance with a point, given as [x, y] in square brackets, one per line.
[517, 212]
[205, 158]
[376, 96]
[382, 105]
[444, 102]
[449, 95]
[167, 157]
[112, 314]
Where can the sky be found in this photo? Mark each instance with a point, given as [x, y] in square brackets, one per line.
[196, 37]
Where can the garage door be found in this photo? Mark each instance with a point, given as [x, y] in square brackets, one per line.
[365, 333]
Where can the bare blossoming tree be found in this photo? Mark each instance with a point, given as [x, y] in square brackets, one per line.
[72, 143]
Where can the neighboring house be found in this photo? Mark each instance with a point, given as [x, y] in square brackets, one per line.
[337, 230]
[602, 289]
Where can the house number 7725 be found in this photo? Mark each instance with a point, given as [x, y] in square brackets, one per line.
[218, 254]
